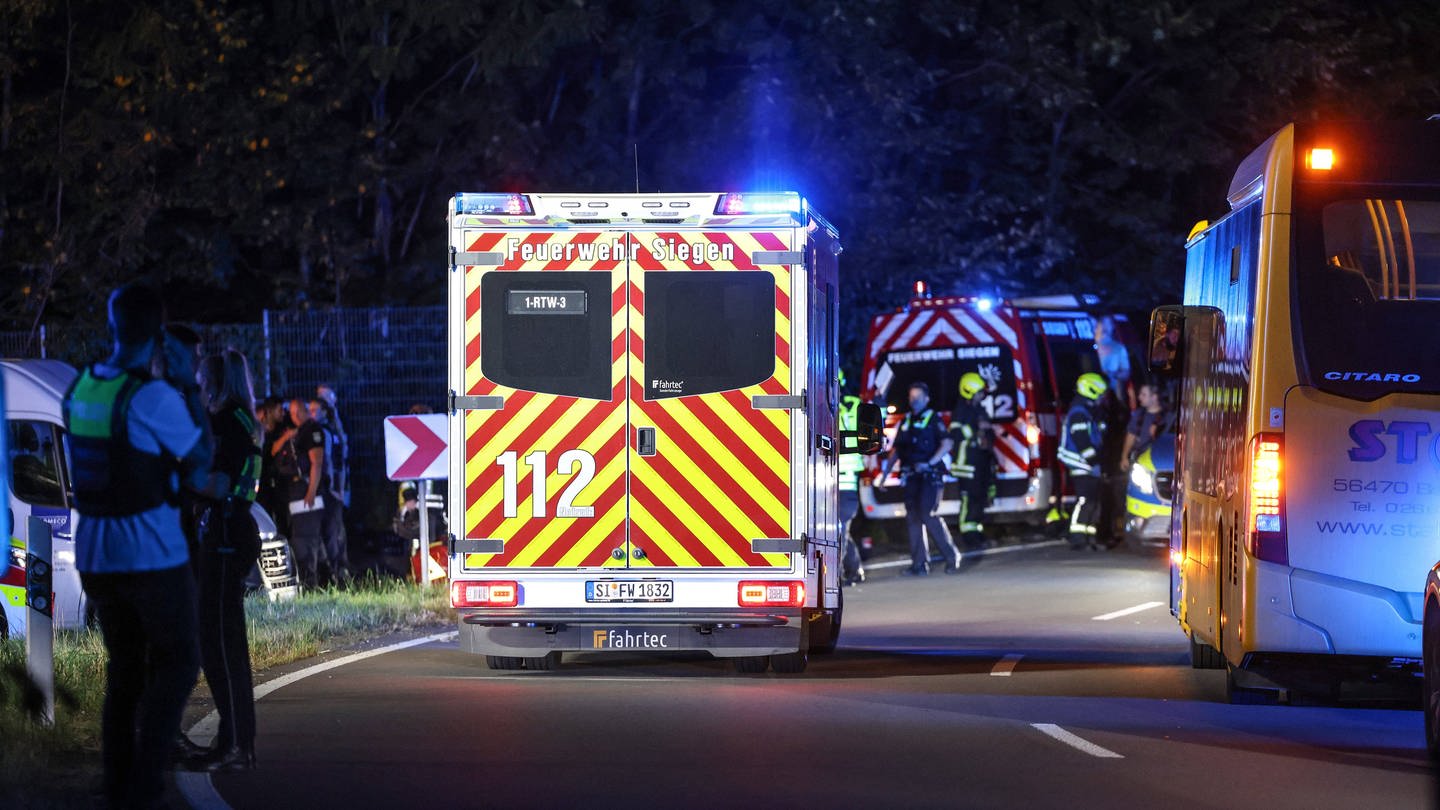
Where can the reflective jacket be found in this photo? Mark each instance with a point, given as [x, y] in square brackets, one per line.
[111, 478]
[970, 431]
[850, 464]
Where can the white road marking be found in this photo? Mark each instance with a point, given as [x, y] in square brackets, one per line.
[984, 552]
[1105, 617]
[199, 791]
[1006, 665]
[1074, 741]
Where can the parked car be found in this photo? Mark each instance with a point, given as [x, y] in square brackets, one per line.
[1147, 498]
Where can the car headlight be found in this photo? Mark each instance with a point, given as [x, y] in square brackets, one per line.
[1143, 478]
[17, 557]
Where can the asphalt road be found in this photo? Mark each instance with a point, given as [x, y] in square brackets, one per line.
[996, 688]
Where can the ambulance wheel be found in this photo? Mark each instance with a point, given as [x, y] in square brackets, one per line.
[545, 662]
[504, 662]
[790, 663]
[752, 664]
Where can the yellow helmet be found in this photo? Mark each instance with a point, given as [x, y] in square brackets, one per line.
[970, 385]
[1091, 385]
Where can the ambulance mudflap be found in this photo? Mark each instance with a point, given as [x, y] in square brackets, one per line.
[641, 450]
[1361, 500]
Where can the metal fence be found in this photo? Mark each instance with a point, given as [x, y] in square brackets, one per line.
[23, 344]
[381, 361]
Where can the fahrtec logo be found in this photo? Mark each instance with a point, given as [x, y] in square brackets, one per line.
[626, 640]
[667, 385]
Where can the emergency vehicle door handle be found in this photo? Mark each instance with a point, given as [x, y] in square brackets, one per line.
[824, 443]
[645, 441]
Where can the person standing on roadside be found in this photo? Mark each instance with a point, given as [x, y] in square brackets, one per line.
[333, 530]
[132, 437]
[326, 393]
[974, 464]
[307, 493]
[1080, 444]
[920, 444]
[229, 548]
[270, 414]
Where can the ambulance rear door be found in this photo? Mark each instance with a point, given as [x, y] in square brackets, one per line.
[542, 437]
[713, 403]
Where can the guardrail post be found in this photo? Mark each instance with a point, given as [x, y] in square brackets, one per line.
[39, 621]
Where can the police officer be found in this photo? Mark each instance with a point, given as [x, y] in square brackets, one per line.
[131, 436]
[1080, 444]
[919, 445]
[973, 465]
[852, 568]
[309, 488]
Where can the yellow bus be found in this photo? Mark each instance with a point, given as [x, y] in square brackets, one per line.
[1307, 354]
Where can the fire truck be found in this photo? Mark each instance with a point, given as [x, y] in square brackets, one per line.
[644, 397]
[1029, 351]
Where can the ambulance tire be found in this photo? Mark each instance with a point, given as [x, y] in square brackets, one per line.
[751, 664]
[790, 663]
[545, 662]
[504, 662]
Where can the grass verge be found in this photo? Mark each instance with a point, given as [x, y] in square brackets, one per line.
[60, 766]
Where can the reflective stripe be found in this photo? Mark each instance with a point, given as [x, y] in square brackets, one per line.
[1076, 527]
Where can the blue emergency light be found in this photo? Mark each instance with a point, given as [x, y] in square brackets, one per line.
[734, 203]
[514, 205]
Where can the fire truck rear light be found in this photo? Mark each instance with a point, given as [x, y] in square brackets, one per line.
[465, 594]
[733, 204]
[789, 593]
[507, 204]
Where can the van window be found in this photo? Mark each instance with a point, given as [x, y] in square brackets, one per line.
[36, 462]
[547, 332]
[708, 331]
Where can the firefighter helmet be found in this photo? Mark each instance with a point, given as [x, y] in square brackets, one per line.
[970, 385]
[1091, 385]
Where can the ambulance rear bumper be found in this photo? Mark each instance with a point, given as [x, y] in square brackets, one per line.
[723, 632]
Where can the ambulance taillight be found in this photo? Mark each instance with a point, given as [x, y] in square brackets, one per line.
[1265, 528]
[758, 593]
[470, 593]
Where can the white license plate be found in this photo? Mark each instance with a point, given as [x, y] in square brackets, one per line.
[630, 590]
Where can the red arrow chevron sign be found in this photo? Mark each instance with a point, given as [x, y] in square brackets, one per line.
[417, 446]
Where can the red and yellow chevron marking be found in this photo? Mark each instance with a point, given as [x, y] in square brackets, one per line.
[722, 476]
[532, 422]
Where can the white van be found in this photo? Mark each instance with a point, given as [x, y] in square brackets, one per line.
[39, 484]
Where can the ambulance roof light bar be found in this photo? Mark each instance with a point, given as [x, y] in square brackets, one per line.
[515, 205]
[738, 203]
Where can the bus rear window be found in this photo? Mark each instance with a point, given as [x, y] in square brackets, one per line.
[1368, 278]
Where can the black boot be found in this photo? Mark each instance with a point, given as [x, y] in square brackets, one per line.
[186, 749]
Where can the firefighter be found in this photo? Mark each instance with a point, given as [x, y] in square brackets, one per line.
[852, 569]
[973, 465]
[919, 445]
[1080, 445]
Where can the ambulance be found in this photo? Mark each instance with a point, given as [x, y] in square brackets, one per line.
[1029, 351]
[644, 434]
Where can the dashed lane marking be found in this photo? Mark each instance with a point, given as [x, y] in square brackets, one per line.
[1105, 617]
[1006, 665]
[1075, 741]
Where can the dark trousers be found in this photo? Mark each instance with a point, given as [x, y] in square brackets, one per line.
[337, 554]
[148, 622]
[1087, 510]
[307, 541]
[229, 550]
[922, 496]
[852, 568]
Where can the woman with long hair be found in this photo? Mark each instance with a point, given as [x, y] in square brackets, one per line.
[229, 547]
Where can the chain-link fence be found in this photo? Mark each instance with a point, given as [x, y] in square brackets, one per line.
[23, 343]
[381, 361]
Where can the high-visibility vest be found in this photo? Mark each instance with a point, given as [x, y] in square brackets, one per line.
[850, 464]
[110, 477]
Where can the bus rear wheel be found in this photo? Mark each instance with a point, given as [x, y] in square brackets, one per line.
[504, 662]
[1203, 656]
[790, 663]
[751, 664]
[1431, 641]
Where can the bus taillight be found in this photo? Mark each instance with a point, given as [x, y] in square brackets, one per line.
[1265, 529]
